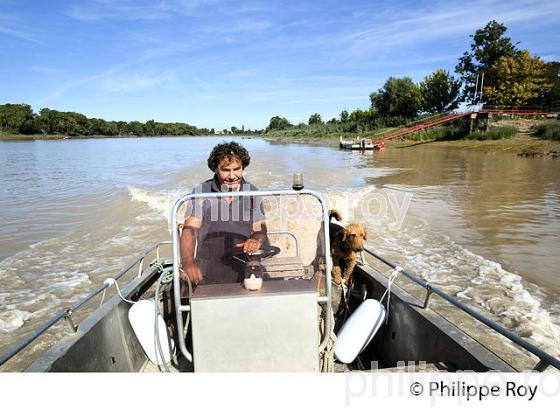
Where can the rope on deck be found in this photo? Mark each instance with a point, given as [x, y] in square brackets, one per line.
[326, 357]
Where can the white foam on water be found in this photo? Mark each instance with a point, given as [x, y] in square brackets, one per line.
[121, 240]
[348, 201]
[60, 264]
[158, 201]
[50, 274]
[70, 280]
[472, 278]
[12, 319]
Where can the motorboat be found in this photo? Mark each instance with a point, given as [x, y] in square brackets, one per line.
[360, 144]
[292, 319]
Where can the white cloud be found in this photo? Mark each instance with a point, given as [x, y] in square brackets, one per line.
[45, 70]
[136, 81]
[550, 57]
[128, 76]
[438, 22]
[70, 85]
[96, 10]
[243, 73]
[12, 27]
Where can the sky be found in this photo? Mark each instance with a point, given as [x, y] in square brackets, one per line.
[223, 63]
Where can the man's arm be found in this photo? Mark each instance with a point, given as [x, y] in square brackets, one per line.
[259, 235]
[257, 238]
[259, 231]
[189, 268]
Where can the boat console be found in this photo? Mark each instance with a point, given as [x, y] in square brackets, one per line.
[272, 329]
[275, 316]
[281, 321]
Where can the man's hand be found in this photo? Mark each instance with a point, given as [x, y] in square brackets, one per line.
[250, 245]
[191, 271]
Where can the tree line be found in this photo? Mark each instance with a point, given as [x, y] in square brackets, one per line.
[512, 77]
[493, 72]
[20, 119]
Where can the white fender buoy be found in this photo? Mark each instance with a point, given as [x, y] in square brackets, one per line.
[358, 331]
[142, 317]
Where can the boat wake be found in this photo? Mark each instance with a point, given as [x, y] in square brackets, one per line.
[482, 283]
[54, 273]
[156, 201]
[11, 320]
[503, 296]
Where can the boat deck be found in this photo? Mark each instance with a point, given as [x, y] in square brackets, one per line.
[184, 366]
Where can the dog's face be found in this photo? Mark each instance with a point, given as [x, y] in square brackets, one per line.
[354, 235]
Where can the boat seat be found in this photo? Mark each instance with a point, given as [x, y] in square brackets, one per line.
[283, 267]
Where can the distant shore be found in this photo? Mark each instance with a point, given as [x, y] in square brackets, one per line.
[522, 144]
[37, 137]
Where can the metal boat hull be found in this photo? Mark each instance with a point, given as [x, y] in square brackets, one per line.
[105, 342]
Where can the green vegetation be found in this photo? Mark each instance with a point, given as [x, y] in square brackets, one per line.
[551, 95]
[278, 123]
[494, 133]
[461, 131]
[524, 82]
[488, 45]
[315, 119]
[440, 92]
[398, 97]
[20, 119]
[511, 77]
[357, 122]
[549, 130]
[441, 133]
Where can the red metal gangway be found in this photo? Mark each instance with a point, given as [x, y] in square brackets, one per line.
[419, 127]
[431, 122]
[515, 110]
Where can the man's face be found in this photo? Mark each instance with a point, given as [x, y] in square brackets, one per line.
[229, 173]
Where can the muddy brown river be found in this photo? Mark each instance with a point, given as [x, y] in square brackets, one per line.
[483, 227]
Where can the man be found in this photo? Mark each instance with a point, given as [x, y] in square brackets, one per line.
[223, 226]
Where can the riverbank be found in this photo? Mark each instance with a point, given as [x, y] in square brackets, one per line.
[24, 137]
[521, 145]
[34, 137]
[524, 143]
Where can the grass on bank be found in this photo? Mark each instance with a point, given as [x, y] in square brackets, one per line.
[31, 137]
[548, 130]
[458, 132]
[440, 133]
[318, 132]
[494, 133]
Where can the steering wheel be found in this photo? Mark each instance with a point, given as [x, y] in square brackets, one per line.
[262, 253]
[266, 252]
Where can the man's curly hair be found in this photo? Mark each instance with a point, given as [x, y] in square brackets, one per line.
[230, 150]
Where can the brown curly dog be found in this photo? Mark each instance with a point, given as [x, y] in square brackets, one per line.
[346, 242]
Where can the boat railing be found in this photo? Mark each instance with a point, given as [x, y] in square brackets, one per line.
[292, 235]
[183, 308]
[427, 118]
[546, 359]
[68, 313]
